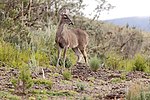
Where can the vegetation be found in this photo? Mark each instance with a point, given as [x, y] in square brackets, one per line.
[136, 92]
[47, 83]
[28, 51]
[6, 95]
[67, 75]
[24, 81]
[113, 61]
[94, 63]
[140, 63]
[80, 86]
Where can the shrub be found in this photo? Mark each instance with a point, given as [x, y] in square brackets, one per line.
[7, 53]
[80, 86]
[94, 63]
[68, 63]
[42, 58]
[70, 60]
[139, 63]
[113, 61]
[67, 75]
[129, 63]
[24, 79]
[136, 92]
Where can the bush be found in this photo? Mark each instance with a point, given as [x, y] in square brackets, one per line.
[80, 86]
[136, 92]
[94, 64]
[24, 79]
[7, 53]
[67, 75]
[70, 60]
[139, 63]
[113, 61]
[42, 59]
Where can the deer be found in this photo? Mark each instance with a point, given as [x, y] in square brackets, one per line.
[66, 38]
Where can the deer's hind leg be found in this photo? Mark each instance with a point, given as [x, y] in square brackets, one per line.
[83, 51]
[78, 54]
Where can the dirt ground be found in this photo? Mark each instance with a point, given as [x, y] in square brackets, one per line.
[86, 85]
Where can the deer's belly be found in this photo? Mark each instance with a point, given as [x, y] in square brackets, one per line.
[73, 45]
[73, 41]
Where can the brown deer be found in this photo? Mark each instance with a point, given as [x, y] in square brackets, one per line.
[76, 39]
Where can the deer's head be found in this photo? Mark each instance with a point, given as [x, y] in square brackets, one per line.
[65, 19]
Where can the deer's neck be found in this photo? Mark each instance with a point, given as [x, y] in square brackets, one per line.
[60, 29]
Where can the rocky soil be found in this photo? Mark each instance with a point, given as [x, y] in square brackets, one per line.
[104, 84]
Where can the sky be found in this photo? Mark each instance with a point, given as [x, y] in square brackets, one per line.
[123, 8]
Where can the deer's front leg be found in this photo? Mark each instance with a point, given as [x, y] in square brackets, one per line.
[64, 56]
[59, 56]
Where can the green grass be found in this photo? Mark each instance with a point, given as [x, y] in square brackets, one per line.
[8, 96]
[55, 93]
[46, 82]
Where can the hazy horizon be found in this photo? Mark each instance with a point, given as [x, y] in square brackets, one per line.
[123, 9]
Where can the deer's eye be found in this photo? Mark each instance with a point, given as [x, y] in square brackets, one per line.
[65, 17]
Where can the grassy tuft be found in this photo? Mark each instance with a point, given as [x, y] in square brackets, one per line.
[94, 64]
[48, 83]
[67, 75]
[8, 96]
[80, 86]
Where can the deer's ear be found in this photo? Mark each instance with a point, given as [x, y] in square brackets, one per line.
[62, 11]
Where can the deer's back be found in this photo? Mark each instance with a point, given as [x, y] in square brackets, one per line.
[71, 39]
[75, 38]
[82, 37]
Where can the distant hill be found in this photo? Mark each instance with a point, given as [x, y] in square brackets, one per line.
[142, 23]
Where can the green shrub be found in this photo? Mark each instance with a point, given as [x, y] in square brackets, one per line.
[113, 61]
[129, 63]
[24, 79]
[80, 86]
[42, 58]
[94, 63]
[68, 62]
[139, 63]
[7, 53]
[67, 75]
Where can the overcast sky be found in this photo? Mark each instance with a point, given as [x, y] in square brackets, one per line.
[124, 8]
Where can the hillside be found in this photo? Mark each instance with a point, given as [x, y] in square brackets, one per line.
[142, 23]
[118, 56]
